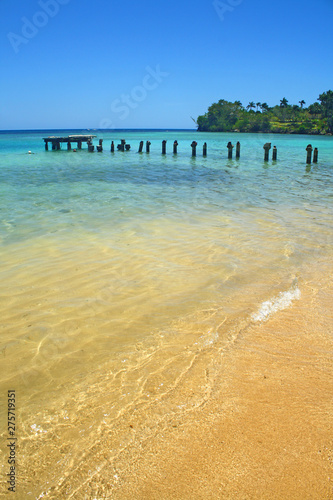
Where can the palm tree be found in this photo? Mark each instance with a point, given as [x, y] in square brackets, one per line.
[265, 106]
[258, 104]
[283, 103]
[250, 106]
[239, 104]
[302, 102]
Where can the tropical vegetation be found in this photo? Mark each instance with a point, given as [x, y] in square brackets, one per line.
[284, 118]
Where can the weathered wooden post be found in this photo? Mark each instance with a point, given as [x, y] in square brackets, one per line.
[148, 143]
[79, 144]
[175, 145]
[308, 150]
[54, 146]
[91, 147]
[100, 146]
[238, 149]
[127, 147]
[112, 147]
[267, 147]
[164, 147]
[140, 147]
[46, 146]
[58, 146]
[204, 149]
[69, 146]
[194, 148]
[230, 148]
[122, 145]
[315, 155]
[274, 153]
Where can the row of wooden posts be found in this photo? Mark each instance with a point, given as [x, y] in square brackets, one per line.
[56, 141]
[126, 147]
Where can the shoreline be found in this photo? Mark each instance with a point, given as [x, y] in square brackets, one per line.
[328, 134]
[249, 419]
[266, 429]
[134, 299]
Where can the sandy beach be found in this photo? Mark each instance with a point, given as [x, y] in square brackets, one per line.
[166, 337]
[265, 431]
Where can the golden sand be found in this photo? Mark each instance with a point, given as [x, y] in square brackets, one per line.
[266, 431]
[215, 406]
[259, 424]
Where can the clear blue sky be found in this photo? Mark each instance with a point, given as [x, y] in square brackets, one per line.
[154, 64]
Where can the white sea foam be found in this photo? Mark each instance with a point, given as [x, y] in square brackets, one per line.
[282, 301]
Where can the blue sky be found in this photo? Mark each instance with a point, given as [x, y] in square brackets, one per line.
[150, 64]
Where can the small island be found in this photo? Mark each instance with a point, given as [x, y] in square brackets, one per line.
[284, 118]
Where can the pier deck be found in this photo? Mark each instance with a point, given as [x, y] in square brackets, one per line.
[56, 141]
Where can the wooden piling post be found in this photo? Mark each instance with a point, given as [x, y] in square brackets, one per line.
[267, 147]
[315, 155]
[79, 144]
[69, 146]
[127, 147]
[274, 153]
[122, 145]
[238, 146]
[148, 143]
[58, 146]
[140, 147]
[204, 149]
[164, 147]
[230, 148]
[309, 150]
[54, 146]
[46, 146]
[175, 145]
[91, 147]
[194, 148]
[100, 146]
[112, 146]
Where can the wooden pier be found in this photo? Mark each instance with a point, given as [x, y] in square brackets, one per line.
[79, 139]
[56, 141]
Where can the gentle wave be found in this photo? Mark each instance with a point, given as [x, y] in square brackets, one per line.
[279, 303]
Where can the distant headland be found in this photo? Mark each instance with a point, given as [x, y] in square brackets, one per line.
[284, 118]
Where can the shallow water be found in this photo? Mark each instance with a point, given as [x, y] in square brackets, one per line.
[121, 273]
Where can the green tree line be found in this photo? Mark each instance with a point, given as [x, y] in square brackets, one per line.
[284, 118]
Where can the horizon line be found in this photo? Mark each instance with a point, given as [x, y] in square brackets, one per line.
[94, 129]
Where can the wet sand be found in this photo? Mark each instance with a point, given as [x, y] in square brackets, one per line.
[250, 417]
[266, 431]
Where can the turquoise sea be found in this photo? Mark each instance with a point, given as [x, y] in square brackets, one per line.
[121, 272]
